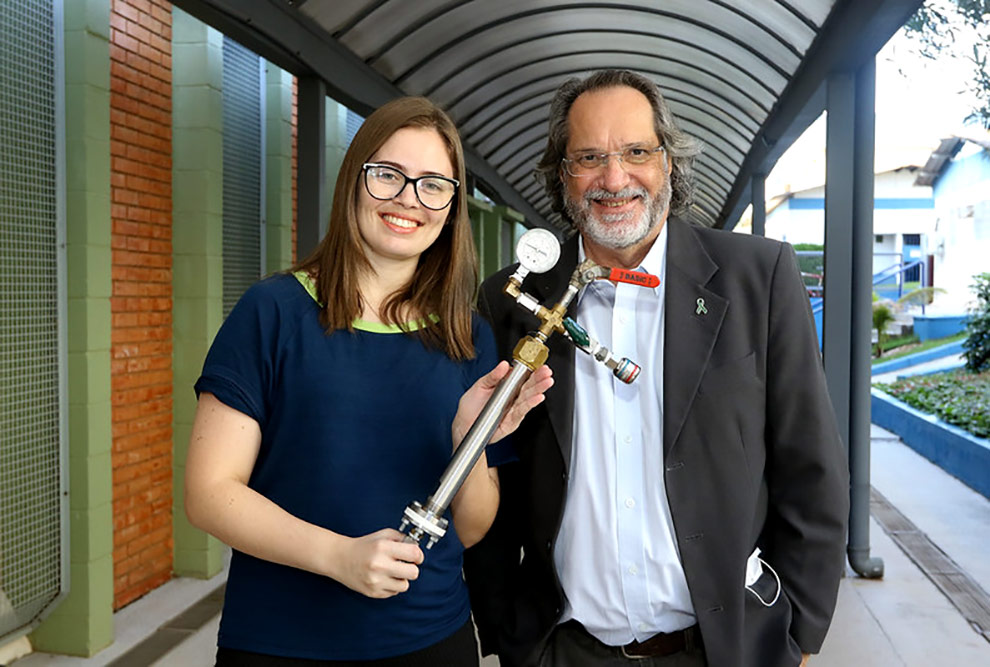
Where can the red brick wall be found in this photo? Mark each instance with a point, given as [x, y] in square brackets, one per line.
[141, 304]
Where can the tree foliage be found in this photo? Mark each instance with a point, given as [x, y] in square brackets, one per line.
[976, 347]
[936, 28]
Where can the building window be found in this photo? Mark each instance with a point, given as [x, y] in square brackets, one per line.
[33, 511]
[353, 123]
[243, 169]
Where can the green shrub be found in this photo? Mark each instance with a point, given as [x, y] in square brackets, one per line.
[976, 347]
[883, 315]
[960, 398]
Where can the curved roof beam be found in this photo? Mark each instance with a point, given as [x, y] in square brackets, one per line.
[714, 176]
[795, 46]
[537, 118]
[540, 100]
[631, 39]
[703, 179]
[756, 115]
[722, 20]
[726, 122]
[705, 201]
[727, 153]
[678, 66]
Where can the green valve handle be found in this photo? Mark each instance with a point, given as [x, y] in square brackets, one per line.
[579, 335]
[624, 369]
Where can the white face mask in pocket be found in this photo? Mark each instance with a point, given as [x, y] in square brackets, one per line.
[763, 587]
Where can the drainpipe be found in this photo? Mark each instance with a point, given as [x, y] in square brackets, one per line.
[862, 326]
[848, 320]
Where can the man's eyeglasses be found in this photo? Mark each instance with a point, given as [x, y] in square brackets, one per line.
[385, 182]
[589, 164]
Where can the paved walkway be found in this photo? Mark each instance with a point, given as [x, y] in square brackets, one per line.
[933, 366]
[902, 620]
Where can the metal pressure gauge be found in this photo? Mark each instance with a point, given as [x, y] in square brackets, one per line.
[538, 250]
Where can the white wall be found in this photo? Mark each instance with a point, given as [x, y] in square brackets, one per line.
[808, 225]
[961, 245]
[961, 239]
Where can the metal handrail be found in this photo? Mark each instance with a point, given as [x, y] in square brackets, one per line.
[896, 270]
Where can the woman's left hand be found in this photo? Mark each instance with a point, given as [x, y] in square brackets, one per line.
[474, 399]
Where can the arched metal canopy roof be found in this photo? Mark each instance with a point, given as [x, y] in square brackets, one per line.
[744, 78]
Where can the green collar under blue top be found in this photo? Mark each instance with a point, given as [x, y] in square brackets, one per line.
[364, 325]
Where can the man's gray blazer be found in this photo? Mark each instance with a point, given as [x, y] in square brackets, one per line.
[751, 457]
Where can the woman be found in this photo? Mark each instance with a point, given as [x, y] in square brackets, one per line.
[331, 397]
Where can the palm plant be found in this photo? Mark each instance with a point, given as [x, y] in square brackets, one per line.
[885, 311]
[883, 315]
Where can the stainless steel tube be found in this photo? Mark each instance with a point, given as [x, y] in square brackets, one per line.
[474, 442]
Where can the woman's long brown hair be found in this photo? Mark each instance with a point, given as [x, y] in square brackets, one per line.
[446, 277]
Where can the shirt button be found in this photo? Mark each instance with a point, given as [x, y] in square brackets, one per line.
[623, 319]
[642, 627]
[630, 503]
[628, 439]
[633, 569]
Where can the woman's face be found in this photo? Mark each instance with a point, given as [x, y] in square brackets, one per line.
[401, 228]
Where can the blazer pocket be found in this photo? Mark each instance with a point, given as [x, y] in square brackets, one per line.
[762, 580]
[731, 376]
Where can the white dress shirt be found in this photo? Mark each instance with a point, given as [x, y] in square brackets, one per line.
[616, 552]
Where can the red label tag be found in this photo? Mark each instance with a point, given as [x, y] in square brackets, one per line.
[634, 277]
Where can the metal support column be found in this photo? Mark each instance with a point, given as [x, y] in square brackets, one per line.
[847, 321]
[311, 156]
[759, 196]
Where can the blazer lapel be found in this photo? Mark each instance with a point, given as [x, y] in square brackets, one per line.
[548, 288]
[693, 316]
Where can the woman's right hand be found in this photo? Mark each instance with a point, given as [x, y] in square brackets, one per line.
[378, 565]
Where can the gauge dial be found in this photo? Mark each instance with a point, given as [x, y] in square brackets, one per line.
[538, 250]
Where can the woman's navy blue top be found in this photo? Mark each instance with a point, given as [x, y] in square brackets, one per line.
[354, 426]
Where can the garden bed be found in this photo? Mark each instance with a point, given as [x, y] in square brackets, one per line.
[959, 398]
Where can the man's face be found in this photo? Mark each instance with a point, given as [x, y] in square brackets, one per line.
[618, 205]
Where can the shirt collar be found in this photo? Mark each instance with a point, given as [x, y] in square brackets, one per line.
[655, 261]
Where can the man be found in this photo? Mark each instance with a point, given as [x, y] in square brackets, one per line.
[698, 515]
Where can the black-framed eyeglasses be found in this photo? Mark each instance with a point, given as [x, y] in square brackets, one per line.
[589, 164]
[385, 182]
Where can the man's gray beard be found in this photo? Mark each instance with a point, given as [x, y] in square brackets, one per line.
[607, 230]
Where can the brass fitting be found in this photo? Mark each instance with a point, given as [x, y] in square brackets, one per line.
[531, 352]
[552, 320]
[513, 288]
